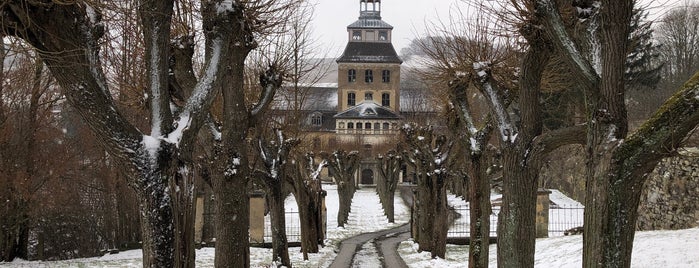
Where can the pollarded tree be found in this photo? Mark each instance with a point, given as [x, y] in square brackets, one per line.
[389, 169]
[617, 161]
[342, 166]
[428, 154]
[275, 155]
[158, 160]
[305, 179]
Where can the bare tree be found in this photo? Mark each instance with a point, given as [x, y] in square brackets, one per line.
[618, 162]
[275, 156]
[429, 154]
[342, 166]
[389, 168]
[159, 163]
[309, 195]
[678, 33]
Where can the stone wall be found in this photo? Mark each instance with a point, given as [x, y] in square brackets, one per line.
[670, 197]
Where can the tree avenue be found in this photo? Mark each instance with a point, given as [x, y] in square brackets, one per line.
[157, 160]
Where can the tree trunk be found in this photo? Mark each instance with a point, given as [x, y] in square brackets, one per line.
[517, 218]
[441, 222]
[232, 222]
[182, 192]
[345, 190]
[157, 228]
[479, 213]
[280, 245]
[308, 198]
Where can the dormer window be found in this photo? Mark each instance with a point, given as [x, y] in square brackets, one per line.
[368, 76]
[351, 75]
[316, 119]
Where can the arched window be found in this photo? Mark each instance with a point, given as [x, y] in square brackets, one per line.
[386, 76]
[360, 125]
[385, 126]
[316, 119]
[386, 99]
[350, 125]
[377, 126]
[367, 125]
[368, 76]
[368, 96]
[351, 75]
[351, 99]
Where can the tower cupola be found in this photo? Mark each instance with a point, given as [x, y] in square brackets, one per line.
[370, 9]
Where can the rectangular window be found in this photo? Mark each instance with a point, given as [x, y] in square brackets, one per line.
[356, 35]
[352, 75]
[351, 99]
[385, 99]
[386, 76]
[368, 76]
[383, 35]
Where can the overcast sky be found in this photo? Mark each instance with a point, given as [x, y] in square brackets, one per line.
[408, 18]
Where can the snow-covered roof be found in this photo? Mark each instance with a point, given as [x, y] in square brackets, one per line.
[368, 110]
[311, 98]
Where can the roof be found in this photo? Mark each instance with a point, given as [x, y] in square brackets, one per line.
[370, 23]
[311, 98]
[370, 52]
[368, 110]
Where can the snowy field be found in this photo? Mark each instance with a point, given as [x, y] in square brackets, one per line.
[651, 249]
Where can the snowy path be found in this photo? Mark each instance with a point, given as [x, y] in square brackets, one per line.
[361, 250]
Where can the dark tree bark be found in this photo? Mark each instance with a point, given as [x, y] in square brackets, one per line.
[429, 155]
[66, 37]
[618, 162]
[275, 157]
[343, 166]
[389, 168]
[309, 198]
[474, 141]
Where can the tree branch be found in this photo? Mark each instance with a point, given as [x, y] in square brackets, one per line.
[564, 43]
[270, 80]
[661, 135]
[545, 143]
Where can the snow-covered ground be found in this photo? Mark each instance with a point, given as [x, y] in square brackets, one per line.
[651, 249]
[366, 216]
[675, 249]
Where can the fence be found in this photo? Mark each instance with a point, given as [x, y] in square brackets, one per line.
[561, 219]
[293, 226]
